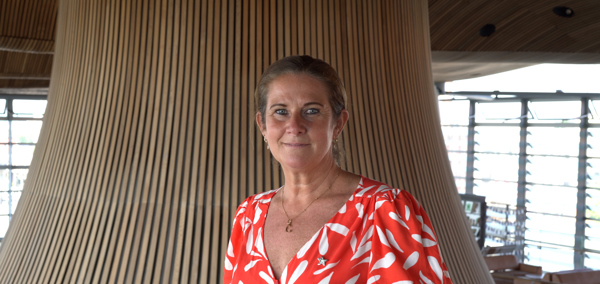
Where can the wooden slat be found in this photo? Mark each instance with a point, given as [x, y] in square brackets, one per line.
[294, 26]
[199, 24]
[227, 83]
[184, 233]
[149, 141]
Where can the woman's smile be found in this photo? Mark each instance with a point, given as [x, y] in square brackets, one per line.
[296, 145]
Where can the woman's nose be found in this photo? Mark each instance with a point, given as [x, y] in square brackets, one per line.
[296, 124]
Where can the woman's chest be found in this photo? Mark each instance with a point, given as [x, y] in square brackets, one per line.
[284, 238]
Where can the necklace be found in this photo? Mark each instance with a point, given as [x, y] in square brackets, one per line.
[288, 228]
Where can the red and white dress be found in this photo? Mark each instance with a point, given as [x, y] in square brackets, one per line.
[381, 235]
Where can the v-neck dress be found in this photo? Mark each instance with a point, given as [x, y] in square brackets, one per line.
[381, 235]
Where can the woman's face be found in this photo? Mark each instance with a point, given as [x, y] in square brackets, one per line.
[299, 123]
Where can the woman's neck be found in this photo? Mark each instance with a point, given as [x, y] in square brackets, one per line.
[301, 185]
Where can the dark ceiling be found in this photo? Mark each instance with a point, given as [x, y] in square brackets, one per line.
[526, 33]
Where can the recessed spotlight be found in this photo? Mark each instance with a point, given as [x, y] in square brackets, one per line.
[487, 30]
[563, 11]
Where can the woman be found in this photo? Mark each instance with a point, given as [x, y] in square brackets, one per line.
[325, 225]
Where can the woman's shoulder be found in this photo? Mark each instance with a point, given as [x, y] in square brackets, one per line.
[370, 188]
[256, 199]
[253, 204]
[262, 197]
[374, 190]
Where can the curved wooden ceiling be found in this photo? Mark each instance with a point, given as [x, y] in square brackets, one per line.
[27, 29]
[527, 32]
[28, 25]
[521, 26]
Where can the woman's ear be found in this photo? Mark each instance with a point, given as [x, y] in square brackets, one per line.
[341, 122]
[259, 122]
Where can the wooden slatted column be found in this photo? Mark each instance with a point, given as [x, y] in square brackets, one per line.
[148, 143]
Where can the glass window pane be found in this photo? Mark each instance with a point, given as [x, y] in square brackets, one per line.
[487, 139]
[29, 108]
[26, 131]
[593, 173]
[18, 179]
[550, 229]
[552, 170]
[3, 112]
[593, 141]
[4, 196]
[3, 225]
[498, 112]
[593, 203]
[22, 154]
[3, 131]
[496, 167]
[496, 191]
[592, 261]
[592, 233]
[15, 197]
[552, 199]
[552, 112]
[458, 163]
[543, 140]
[454, 112]
[594, 108]
[500, 224]
[460, 185]
[3, 155]
[456, 138]
[550, 259]
[4, 180]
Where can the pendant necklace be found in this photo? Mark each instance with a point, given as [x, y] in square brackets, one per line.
[288, 228]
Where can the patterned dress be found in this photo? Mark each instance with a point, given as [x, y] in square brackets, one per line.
[381, 235]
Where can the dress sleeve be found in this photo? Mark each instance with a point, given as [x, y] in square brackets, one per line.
[235, 247]
[404, 245]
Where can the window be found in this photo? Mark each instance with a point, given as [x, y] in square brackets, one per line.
[538, 153]
[455, 122]
[551, 172]
[20, 125]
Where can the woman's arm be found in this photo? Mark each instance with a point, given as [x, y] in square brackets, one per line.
[405, 247]
[235, 242]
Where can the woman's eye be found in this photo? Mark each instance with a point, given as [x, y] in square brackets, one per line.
[312, 111]
[281, 111]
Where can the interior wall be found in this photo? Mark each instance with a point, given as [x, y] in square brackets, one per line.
[148, 143]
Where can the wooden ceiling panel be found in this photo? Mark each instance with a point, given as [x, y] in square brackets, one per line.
[28, 26]
[27, 29]
[25, 64]
[527, 32]
[28, 19]
[24, 70]
[521, 26]
[11, 86]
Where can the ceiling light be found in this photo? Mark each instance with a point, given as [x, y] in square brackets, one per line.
[563, 11]
[487, 30]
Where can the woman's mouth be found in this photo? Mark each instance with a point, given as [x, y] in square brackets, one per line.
[295, 145]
